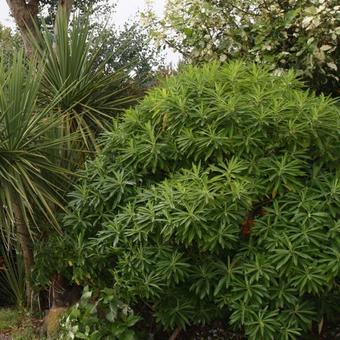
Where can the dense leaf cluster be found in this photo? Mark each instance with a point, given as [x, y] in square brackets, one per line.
[217, 197]
[30, 137]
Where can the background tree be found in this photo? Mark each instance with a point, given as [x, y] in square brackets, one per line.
[298, 34]
[72, 65]
[10, 43]
[99, 8]
[130, 49]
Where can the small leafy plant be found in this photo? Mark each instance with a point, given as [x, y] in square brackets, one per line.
[103, 318]
[216, 198]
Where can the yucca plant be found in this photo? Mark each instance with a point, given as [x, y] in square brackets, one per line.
[31, 150]
[70, 57]
[216, 198]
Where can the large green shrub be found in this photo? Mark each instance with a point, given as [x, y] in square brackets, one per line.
[217, 197]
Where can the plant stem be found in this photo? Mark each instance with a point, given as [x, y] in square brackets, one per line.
[175, 334]
[25, 244]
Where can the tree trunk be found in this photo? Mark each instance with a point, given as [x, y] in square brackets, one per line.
[66, 6]
[27, 252]
[175, 334]
[26, 18]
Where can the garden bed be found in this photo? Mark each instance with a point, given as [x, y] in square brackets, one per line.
[15, 325]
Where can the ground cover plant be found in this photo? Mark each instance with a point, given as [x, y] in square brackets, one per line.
[16, 325]
[8, 318]
[216, 198]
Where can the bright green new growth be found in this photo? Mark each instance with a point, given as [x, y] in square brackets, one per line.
[217, 198]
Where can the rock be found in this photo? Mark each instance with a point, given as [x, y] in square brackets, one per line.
[51, 322]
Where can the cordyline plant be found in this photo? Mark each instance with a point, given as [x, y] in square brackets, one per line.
[31, 144]
[216, 198]
[51, 109]
[73, 64]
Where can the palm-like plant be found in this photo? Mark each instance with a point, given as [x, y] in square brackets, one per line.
[31, 142]
[45, 105]
[70, 57]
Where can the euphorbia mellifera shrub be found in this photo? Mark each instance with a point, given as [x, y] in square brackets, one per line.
[217, 197]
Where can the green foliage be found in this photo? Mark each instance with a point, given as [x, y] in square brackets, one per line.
[8, 318]
[30, 137]
[130, 49]
[49, 108]
[9, 44]
[217, 197]
[33, 167]
[49, 8]
[71, 67]
[12, 278]
[299, 34]
[99, 318]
